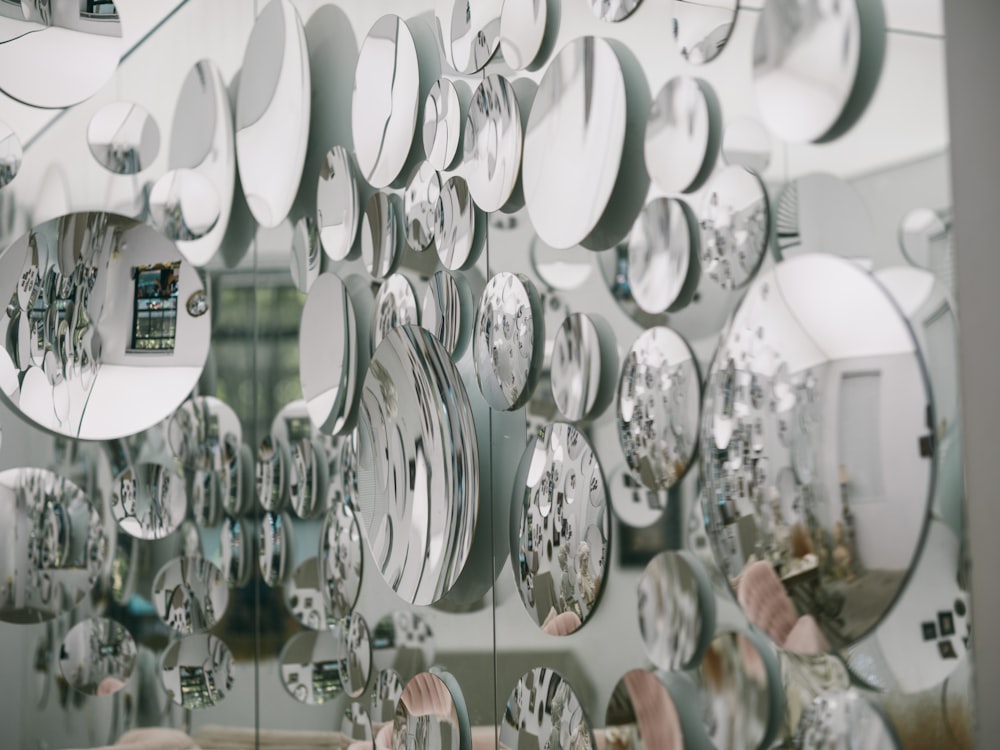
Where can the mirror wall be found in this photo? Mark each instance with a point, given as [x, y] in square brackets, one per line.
[453, 472]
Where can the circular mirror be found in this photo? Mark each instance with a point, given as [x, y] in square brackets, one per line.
[469, 32]
[272, 112]
[816, 371]
[701, 29]
[123, 137]
[821, 213]
[197, 671]
[275, 554]
[271, 472]
[660, 251]
[385, 695]
[430, 714]
[318, 667]
[924, 236]
[522, 31]
[57, 59]
[735, 223]
[190, 594]
[97, 656]
[446, 312]
[676, 611]
[641, 714]
[806, 60]
[458, 233]
[543, 710]
[380, 236]
[236, 551]
[55, 545]
[338, 205]
[508, 341]
[309, 479]
[418, 466]
[184, 206]
[99, 344]
[658, 406]
[560, 529]
[572, 153]
[680, 137]
[385, 100]
[442, 128]
[403, 644]
[746, 143]
[492, 143]
[202, 140]
[613, 10]
[583, 363]
[341, 558]
[395, 305]
[305, 263]
[845, 719]
[11, 154]
[149, 501]
[419, 202]
[741, 688]
[332, 352]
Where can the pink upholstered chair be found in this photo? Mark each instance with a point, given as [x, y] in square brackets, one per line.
[768, 606]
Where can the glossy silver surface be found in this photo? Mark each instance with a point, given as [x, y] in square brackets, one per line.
[702, 28]
[184, 206]
[457, 233]
[508, 341]
[445, 312]
[822, 213]
[418, 466]
[679, 134]
[190, 594]
[641, 714]
[385, 101]
[395, 305]
[543, 710]
[56, 60]
[318, 667]
[123, 137]
[274, 548]
[338, 205]
[55, 545]
[746, 143]
[341, 559]
[355, 727]
[304, 597]
[845, 720]
[202, 140]
[403, 645]
[97, 656]
[149, 501]
[236, 551]
[676, 611]
[577, 373]
[272, 112]
[197, 671]
[522, 31]
[613, 10]
[806, 59]
[735, 224]
[468, 31]
[306, 253]
[11, 154]
[442, 125]
[814, 433]
[660, 249]
[572, 152]
[659, 394]
[84, 359]
[330, 354]
[924, 236]
[492, 143]
[427, 717]
[309, 479]
[739, 687]
[560, 529]
[386, 692]
[420, 200]
[380, 235]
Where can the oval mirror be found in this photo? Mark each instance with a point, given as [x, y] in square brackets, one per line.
[184, 206]
[236, 551]
[583, 366]
[681, 134]
[341, 559]
[702, 28]
[395, 305]
[97, 656]
[431, 714]
[460, 231]
[469, 32]
[447, 311]
[275, 553]
[149, 500]
[420, 199]
[543, 710]
[442, 127]
[522, 31]
[123, 137]
[492, 143]
[190, 594]
[661, 254]
[11, 154]
[380, 235]
[338, 205]
[735, 221]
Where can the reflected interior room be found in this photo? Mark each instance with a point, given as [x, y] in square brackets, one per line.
[480, 374]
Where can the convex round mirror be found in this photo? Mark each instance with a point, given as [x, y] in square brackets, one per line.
[123, 137]
[197, 671]
[190, 594]
[97, 656]
[543, 710]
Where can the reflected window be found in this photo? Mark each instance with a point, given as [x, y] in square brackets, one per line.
[154, 317]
